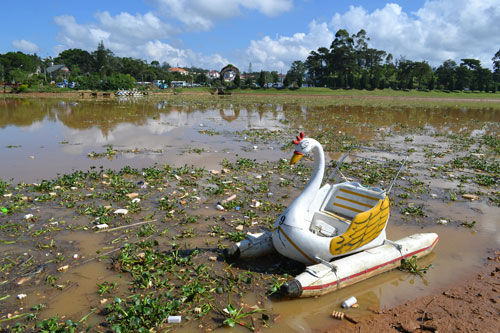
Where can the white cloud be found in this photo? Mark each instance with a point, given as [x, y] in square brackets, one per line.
[130, 36]
[278, 53]
[440, 30]
[25, 46]
[201, 14]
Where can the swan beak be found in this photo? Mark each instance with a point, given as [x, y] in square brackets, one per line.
[296, 157]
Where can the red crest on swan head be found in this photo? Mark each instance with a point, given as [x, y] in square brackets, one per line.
[299, 138]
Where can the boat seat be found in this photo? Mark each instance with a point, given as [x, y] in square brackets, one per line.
[328, 225]
[349, 199]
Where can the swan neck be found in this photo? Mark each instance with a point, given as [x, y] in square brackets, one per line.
[312, 187]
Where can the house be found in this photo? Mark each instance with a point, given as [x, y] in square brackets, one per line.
[174, 70]
[213, 75]
[56, 70]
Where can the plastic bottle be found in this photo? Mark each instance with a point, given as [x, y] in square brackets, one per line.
[174, 319]
[349, 302]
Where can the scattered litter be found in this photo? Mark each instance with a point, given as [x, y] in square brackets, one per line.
[122, 211]
[239, 228]
[75, 256]
[349, 302]
[338, 315]
[214, 172]
[28, 216]
[255, 147]
[136, 200]
[434, 196]
[104, 300]
[21, 296]
[32, 157]
[470, 196]
[102, 226]
[178, 177]
[270, 194]
[174, 319]
[55, 223]
[8, 195]
[212, 258]
[197, 310]
[63, 268]
[443, 221]
[229, 198]
[132, 195]
[220, 207]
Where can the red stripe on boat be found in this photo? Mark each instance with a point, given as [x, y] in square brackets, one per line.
[323, 286]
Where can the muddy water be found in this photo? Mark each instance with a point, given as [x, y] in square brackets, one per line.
[40, 139]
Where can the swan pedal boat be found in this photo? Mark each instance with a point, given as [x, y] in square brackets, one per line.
[338, 230]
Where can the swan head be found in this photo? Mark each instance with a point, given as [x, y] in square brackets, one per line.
[302, 146]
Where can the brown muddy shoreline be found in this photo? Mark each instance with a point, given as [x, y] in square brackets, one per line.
[87, 95]
[471, 305]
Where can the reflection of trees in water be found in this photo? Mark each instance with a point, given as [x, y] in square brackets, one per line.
[352, 120]
[357, 120]
[225, 113]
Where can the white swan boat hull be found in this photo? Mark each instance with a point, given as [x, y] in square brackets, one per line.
[326, 277]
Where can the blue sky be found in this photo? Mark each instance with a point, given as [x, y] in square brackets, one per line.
[270, 34]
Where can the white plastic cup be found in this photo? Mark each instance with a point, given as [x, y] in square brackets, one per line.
[174, 319]
[349, 302]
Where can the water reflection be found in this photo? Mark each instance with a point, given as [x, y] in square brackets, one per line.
[52, 130]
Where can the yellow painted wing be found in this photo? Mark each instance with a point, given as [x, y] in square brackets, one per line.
[364, 228]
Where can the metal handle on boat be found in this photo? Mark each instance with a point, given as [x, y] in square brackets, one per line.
[348, 153]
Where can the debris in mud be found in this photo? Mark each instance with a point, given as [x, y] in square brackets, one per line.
[470, 196]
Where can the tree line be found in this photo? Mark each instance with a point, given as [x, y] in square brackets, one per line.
[100, 69]
[348, 63]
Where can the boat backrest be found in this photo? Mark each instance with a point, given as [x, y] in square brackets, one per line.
[350, 199]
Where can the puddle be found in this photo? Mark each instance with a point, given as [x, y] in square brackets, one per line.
[51, 137]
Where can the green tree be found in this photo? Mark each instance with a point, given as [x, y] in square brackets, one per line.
[422, 72]
[496, 67]
[76, 60]
[275, 78]
[262, 79]
[296, 73]
[237, 80]
[446, 74]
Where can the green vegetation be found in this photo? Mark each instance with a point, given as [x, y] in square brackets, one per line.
[411, 266]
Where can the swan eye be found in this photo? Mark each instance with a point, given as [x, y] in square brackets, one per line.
[304, 144]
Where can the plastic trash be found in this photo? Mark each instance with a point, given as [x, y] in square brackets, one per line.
[21, 296]
[121, 211]
[174, 319]
[28, 216]
[220, 207]
[349, 302]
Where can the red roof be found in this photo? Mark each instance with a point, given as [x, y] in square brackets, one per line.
[175, 69]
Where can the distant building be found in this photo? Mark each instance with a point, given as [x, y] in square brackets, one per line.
[56, 70]
[213, 75]
[178, 70]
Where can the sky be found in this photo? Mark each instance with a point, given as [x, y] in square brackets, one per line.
[269, 34]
